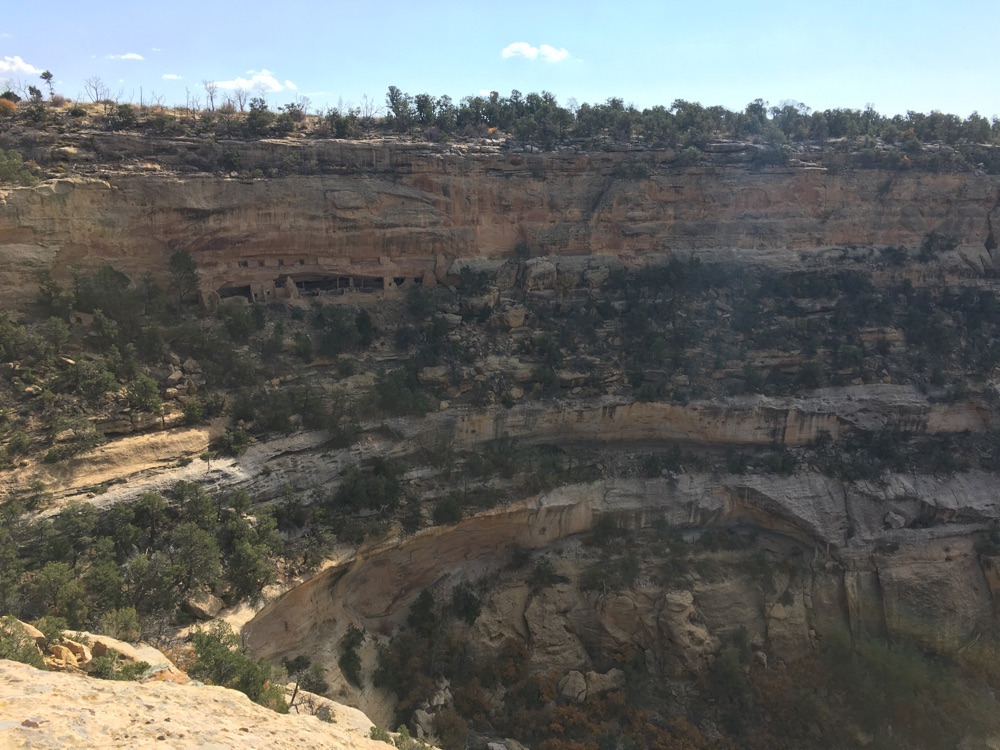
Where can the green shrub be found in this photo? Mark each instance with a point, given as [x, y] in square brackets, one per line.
[397, 392]
[451, 729]
[143, 394]
[447, 510]
[378, 489]
[380, 735]
[544, 574]
[221, 660]
[610, 575]
[420, 302]
[232, 443]
[122, 624]
[13, 171]
[194, 412]
[349, 661]
[465, 604]
[111, 667]
[15, 644]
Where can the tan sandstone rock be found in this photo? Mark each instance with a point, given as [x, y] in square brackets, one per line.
[53, 711]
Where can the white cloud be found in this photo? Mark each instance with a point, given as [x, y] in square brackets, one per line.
[6, 35]
[156, 49]
[519, 49]
[551, 54]
[259, 80]
[171, 77]
[126, 56]
[16, 65]
[546, 52]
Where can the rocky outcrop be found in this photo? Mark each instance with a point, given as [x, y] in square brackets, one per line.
[744, 420]
[921, 581]
[62, 711]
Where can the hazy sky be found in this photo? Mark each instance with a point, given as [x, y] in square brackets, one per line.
[897, 55]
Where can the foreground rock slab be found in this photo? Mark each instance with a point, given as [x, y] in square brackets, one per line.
[60, 711]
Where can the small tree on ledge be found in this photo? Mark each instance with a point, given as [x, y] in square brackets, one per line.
[183, 274]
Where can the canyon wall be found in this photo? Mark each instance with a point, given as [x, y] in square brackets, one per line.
[393, 211]
[892, 558]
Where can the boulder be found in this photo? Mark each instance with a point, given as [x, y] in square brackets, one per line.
[62, 654]
[33, 633]
[434, 376]
[514, 316]
[539, 273]
[443, 697]
[203, 605]
[80, 651]
[424, 721]
[598, 683]
[894, 520]
[573, 687]
[102, 645]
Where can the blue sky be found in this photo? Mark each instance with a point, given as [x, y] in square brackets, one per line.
[898, 56]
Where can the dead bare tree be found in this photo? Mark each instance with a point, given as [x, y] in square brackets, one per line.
[19, 86]
[96, 89]
[211, 89]
[368, 110]
[241, 98]
[192, 103]
[303, 102]
[261, 90]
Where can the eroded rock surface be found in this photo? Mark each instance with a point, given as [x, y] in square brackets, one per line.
[53, 711]
[394, 211]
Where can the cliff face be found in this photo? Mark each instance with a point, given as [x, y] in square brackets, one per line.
[892, 556]
[887, 559]
[394, 211]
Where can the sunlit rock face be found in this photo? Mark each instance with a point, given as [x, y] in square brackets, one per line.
[378, 214]
[61, 711]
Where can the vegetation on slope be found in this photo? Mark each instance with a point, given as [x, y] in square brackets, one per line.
[772, 134]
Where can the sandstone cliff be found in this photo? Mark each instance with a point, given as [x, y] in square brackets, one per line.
[816, 553]
[890, 559]
[389, 212]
